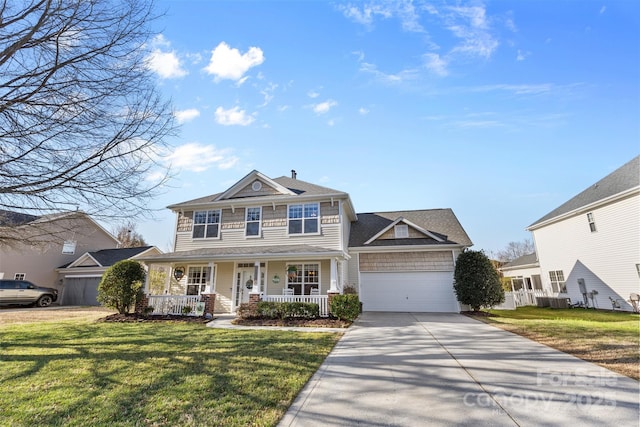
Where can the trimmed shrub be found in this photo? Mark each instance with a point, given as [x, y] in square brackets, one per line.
[476, 282]
[247, 311]
[345, 307]
[285, 310]
[121, 285]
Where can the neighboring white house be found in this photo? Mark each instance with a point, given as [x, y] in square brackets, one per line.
[589, 247]
[524, 273]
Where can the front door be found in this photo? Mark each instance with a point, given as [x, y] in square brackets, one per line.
[243, 286]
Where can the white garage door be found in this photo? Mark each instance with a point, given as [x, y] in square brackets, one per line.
[408, 292]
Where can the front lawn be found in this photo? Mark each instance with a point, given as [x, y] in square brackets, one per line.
[80, 373]
[610, 339]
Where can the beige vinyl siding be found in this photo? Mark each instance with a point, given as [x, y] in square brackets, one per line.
[406, 261]
[274, 229]
[352, 270]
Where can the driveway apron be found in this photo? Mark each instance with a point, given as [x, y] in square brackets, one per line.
[424, 369]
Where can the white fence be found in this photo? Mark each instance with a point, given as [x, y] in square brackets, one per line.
[321, 300]
[173, 304]
[523, 297]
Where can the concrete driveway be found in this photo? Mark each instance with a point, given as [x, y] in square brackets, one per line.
[422, 369]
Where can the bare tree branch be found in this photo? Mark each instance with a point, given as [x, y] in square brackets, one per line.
[82, 124]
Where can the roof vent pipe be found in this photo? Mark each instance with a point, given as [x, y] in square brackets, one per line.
[293, 174]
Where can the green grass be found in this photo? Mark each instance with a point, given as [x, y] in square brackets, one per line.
[80, 373]
[611, 339]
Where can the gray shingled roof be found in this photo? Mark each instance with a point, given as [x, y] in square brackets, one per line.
[108, 257]
[240, 252]
[11, 219]
[441, 222]
[295, 185]
[523, 260]
[622, 179]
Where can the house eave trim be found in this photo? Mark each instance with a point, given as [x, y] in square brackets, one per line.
[583, 209]
[406, 248]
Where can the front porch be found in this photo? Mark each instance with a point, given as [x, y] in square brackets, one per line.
[175, 304]
[288, 276]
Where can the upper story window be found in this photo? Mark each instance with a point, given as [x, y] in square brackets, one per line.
[252, 227]
[206, 224]
[303, 219]
[592, 222]
[19, 276]
[69, 247]
[401, 231]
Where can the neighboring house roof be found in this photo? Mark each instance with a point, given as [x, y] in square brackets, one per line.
[107, 257]
[240, 252]
[528, 260]
[17, 219]
[619, 182]
[12, 219]
[439, 226]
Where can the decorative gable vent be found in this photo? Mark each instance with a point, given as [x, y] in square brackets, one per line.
[401, 231]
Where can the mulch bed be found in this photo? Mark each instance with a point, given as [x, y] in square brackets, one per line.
[312, 323]
[477, 313]
[309, 323]
[139, 317]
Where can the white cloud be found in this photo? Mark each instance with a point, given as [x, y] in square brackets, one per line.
[603, 9]
[363, 111]
[523, 89]
[198, 157]
[366, 14]
[233, 116]
[331, 122]
[396, 78]
[324, 107]
[183, 116]
[470, 24]
[228, 63]
[313, 94]
[522, 55]
[164, 63]
[267, 92]
[436, 64]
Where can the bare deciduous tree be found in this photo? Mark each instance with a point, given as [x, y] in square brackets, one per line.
[81, 122]
[128, 236]
[515, 250]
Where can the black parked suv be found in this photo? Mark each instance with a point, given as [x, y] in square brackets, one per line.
[24, 292]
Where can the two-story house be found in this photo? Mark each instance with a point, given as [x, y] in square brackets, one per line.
[588, 248]
[32, 247]
[287, 239]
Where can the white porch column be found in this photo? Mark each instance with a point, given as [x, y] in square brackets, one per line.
[256, 280]
[210, 288]
[334, 275]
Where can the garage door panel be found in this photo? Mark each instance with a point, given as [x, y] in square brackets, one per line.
[80, 291]
[408, 291]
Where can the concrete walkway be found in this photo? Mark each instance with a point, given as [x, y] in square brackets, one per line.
[403, 369]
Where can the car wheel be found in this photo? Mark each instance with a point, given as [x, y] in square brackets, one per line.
[44, 301]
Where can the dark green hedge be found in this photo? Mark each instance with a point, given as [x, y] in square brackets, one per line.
[345, 307]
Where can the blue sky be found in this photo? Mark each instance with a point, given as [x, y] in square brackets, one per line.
[499, 110]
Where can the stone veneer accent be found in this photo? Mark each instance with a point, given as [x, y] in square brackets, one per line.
[209, 302]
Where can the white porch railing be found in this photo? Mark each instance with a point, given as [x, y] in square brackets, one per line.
[173, 304]
[321, 300]
[523, 297]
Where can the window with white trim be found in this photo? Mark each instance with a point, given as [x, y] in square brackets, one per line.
[69, 247]
[19, 276]
[592, 222]
[206, 224]
[401, 231]
[557, 281]
[306, 278]
[303, 219]
[197, 279]
[252, 218]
